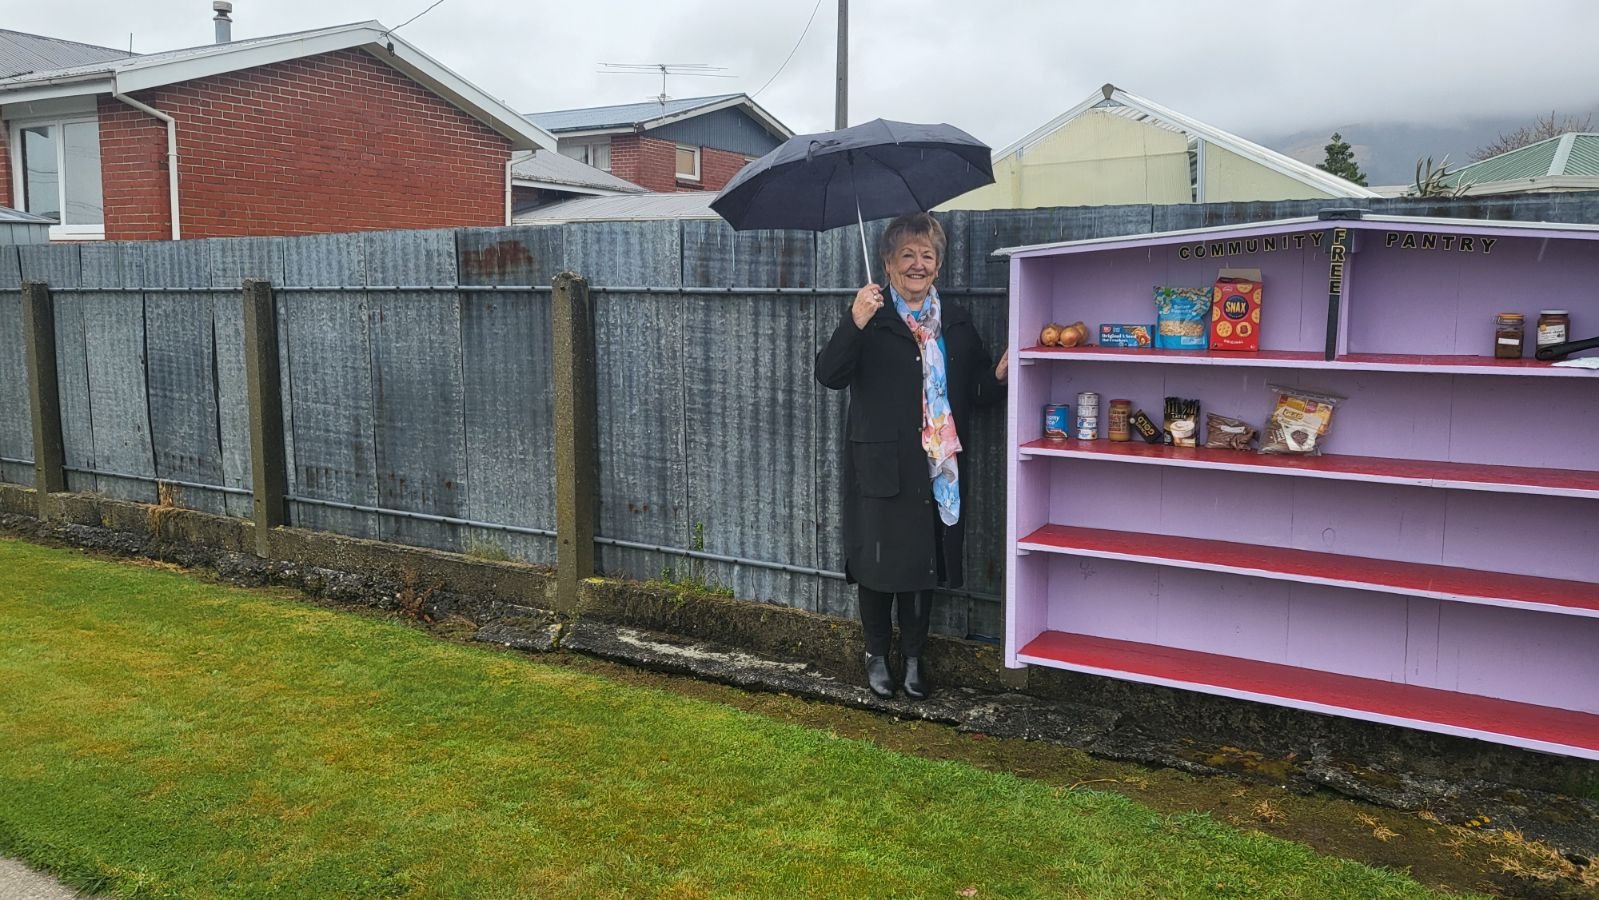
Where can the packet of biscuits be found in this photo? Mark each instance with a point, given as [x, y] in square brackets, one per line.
[1299, 421]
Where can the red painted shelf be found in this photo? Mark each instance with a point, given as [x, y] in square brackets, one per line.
[1417, 472]
[1523, 724]
[1314, 359]
[1272, 358]
[1310, 567]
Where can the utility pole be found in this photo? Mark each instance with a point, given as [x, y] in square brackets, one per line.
[841, 95]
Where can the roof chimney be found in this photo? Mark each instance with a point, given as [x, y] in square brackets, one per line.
[223, 23]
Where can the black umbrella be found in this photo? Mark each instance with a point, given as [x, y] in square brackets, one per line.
[814, 182]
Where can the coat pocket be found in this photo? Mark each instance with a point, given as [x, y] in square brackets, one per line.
[876, 467]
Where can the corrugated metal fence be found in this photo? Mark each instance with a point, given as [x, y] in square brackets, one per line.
[417, 382]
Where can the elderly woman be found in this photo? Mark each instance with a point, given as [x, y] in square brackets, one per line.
[915, 366]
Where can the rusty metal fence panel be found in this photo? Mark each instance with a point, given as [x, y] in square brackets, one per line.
[417, 382]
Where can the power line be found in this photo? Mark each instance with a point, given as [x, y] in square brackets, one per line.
[791, 53]
[415, 17]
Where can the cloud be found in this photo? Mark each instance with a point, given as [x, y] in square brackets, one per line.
[997, 68]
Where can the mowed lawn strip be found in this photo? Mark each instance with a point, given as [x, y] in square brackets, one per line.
[170, 737]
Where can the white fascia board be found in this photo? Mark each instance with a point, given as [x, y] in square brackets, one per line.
[1271, 159]
[1051, 126]
[567, 188]
[742, 100]
[140, 74]
[101, 83]
[594, 132]
[491, 111]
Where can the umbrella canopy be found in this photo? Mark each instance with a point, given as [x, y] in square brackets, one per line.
[814, 182]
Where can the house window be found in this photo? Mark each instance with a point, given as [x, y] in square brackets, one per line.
[593, 153]
[58, 174]
[688, 163]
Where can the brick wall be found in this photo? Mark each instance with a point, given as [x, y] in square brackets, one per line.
[717, 167]
[334, 142]
[652, 163]
[5, 166]
[647, 162]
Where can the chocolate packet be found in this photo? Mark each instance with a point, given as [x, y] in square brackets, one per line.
[1145, 426]
[1227, 433]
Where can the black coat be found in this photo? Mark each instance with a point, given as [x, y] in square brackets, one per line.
[890, 539]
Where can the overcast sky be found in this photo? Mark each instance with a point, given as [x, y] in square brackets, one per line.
[997, 68]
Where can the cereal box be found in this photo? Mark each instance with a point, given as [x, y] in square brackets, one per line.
[1182, 318]
[1140, 336]
[1235, 311]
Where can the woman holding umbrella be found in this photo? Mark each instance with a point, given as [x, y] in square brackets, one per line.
[915, 367]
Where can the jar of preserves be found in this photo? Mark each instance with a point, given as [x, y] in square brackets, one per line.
[1508, 335]
[1554, 327]
[1117, 429]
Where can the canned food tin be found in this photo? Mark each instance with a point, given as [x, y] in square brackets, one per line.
[1087, 430]
[1088, 403]
[1057, 421]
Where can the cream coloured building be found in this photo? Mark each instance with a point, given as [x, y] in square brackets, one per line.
[1116, 147]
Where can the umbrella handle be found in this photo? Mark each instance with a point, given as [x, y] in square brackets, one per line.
[865, 256]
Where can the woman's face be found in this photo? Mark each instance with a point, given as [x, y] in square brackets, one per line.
[912, 267]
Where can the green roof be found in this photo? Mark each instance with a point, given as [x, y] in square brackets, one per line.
[1566, 154]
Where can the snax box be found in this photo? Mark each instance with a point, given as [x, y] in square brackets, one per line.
[1235, 311]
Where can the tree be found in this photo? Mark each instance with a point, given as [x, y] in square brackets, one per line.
[1340, 161]
[1541, 129]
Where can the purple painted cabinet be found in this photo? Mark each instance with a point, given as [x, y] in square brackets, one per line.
[1436, 568]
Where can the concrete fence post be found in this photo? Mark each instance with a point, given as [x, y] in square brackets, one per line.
[576, 453]
[44, 394]
[268, 465]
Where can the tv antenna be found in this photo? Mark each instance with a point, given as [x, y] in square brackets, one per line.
[693, 70]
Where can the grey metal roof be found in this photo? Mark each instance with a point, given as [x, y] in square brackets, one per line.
[623, 208]
[20, 53]
[549, 167]
[124, 61]
[9, 216]
[622, 116]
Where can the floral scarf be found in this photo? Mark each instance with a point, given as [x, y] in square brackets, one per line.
[939, 438]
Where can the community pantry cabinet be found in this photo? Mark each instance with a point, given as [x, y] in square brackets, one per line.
[1436, 568]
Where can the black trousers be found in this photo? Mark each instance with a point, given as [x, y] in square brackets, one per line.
[915, 616]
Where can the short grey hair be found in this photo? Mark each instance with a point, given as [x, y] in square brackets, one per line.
[906, 227]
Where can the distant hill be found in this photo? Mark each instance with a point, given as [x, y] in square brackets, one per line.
[1387, 151]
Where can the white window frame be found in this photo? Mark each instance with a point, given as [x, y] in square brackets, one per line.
[587, 152]
[694, 150]
[14, 128]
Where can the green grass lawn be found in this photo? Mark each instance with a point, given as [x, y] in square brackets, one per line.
[169, 737]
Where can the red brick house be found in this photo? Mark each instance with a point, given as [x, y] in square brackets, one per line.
[692, 144]
[338, 129]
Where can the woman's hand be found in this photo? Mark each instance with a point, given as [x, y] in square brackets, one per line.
[868, 300]
[1003, 369]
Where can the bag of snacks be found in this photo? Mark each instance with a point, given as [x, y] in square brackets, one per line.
[1227, 433]
[1182, 318]
[1299, 420]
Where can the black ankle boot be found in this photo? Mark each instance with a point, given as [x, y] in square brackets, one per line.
[916, 686]
[877, 677]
